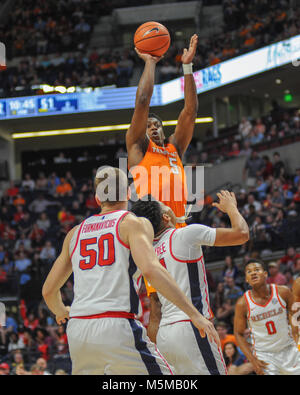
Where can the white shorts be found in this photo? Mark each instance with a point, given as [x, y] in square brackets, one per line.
[113, 346]
[284, 362]
[189, 353]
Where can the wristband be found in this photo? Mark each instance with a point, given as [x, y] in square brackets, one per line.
[187, 68]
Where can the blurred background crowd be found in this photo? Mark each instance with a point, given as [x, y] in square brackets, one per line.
[52, 50]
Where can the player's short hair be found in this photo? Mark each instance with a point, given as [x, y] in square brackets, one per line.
[152, 115]
[149, 208]
[111, 185]
[259, 261]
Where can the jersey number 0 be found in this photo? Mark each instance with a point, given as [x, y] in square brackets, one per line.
[101, 252]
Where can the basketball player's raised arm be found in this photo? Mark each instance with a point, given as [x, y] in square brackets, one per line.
[138, 233]
[58, 275]
[184, 130]
[239, 232]
[137, 130]
[240, 325]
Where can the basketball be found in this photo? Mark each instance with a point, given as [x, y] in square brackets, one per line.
[152, 38]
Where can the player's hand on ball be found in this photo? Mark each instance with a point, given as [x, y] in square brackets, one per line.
[227, 200]
[188, 54]
[63, 316]
[147, 57]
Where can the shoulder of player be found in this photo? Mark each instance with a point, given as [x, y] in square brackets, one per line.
[137, 150]
[71, 232]
[284, 291]
[241, 304]
[133, 223]
[171, 141]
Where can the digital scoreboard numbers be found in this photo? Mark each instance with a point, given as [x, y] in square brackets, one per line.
[21, 107]
[58, 104]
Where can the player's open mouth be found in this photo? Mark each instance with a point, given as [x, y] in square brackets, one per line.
[155, 136]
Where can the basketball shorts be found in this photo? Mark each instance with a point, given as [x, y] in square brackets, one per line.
[284, 362]
[113, 346]
[189, 353]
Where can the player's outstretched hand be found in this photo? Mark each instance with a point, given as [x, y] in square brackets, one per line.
[146, 57]
[188, 54]
[206, 328]
[63, 316]
[227, 200]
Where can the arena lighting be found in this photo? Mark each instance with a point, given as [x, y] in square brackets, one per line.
[61, 132]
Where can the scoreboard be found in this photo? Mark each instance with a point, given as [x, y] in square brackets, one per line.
[58, 104]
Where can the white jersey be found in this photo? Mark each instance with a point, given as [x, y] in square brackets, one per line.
[270, 330]
[105, 275]
[180, 252]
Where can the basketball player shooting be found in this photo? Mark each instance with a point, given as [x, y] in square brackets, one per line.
[108, 253]
[180, 252]
[146, 144]
[267, 309]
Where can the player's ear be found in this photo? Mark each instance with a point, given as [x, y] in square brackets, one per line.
[166, 218]
[98, 200]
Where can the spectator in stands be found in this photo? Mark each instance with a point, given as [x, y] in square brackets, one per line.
[22, 263]
[256, 136]
[18, 215]
[225, 337]
[230, 268]
[253, 165]
[251, 201]
[43, 222]
[41, 182]
[17, 362]
[268, 168]
[4, 369]
[19, 200]
[61, 159]
[231, 290]
[28, 183]
[235, 150]
[36, 233]
[275, 277]
[278, 166]
[12, 191]
[246, 150]
[48, 252]
[26, 242]
[225, 312]
[15, 343]
[90, 202]
[64, 188]
[236, 363]
[40, 204]
[296, 178]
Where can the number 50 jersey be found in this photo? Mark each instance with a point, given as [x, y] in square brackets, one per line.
[105, 275]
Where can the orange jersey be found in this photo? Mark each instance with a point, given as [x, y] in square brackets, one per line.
[161, 174]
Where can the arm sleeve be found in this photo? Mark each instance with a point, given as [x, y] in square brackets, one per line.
[196, 235]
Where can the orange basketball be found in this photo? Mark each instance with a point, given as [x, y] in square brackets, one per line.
[152, 38]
